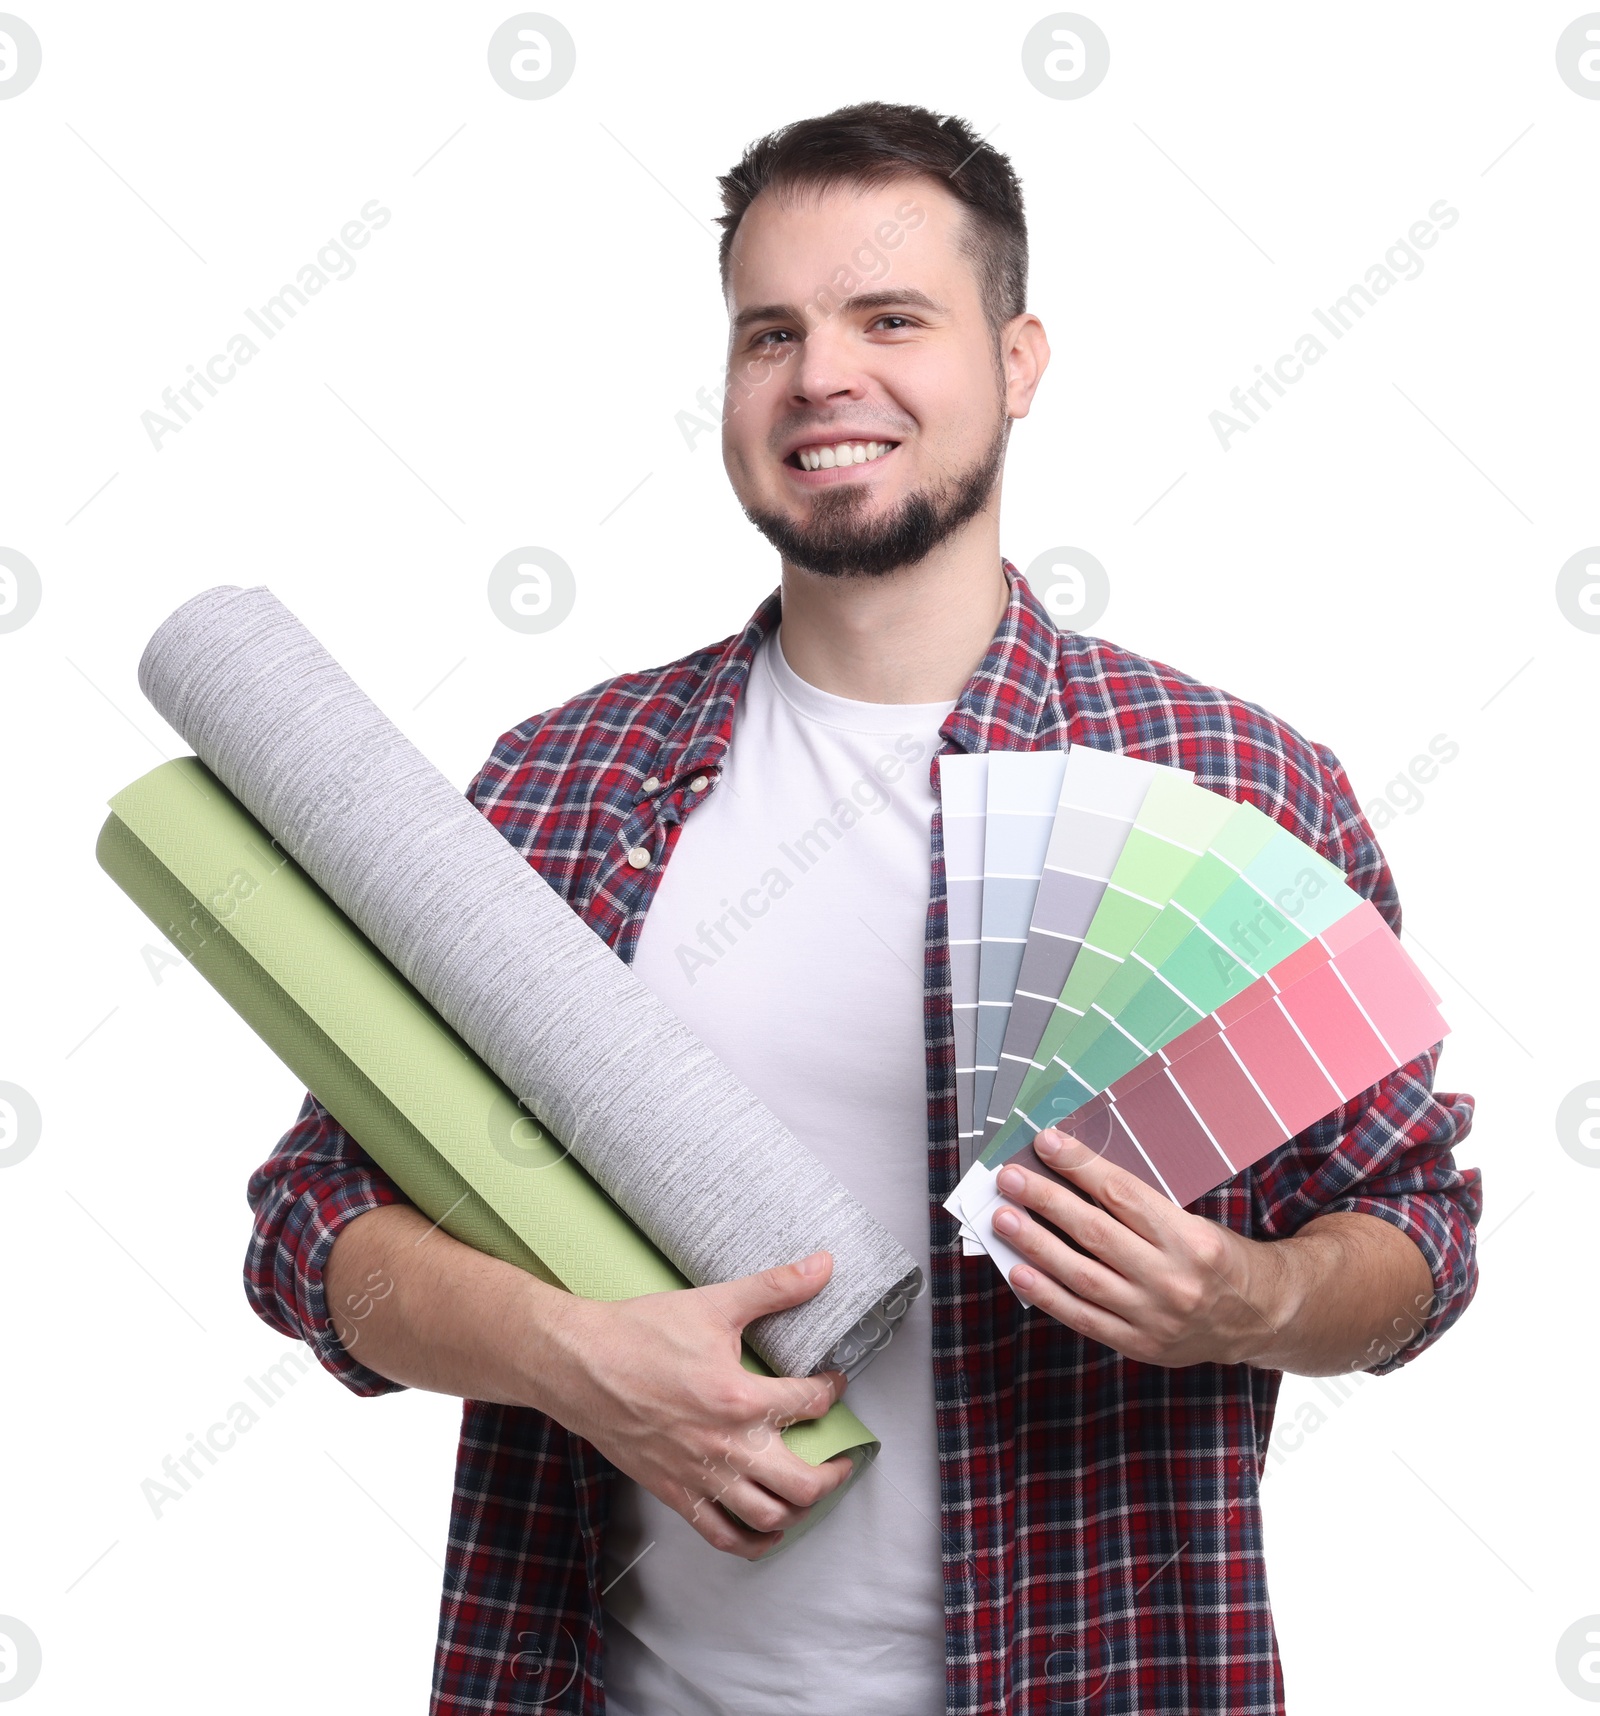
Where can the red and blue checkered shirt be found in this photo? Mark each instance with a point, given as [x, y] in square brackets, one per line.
[1101, 1518]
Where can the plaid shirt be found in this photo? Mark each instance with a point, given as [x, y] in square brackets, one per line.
[1101, 1518]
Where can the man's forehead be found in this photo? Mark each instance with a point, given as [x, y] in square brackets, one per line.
[794, 226]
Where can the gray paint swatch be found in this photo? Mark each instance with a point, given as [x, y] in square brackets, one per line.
[1101, 792]
[961, 810]
[1023, 791]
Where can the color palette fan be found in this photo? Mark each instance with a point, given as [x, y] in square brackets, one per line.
[1167, 975]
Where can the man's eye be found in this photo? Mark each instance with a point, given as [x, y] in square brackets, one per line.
[769, 334]
[893, 317]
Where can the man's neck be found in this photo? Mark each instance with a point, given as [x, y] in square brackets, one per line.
[915, 635]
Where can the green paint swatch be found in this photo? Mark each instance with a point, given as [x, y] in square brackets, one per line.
[1254, 897]
[1175, 825]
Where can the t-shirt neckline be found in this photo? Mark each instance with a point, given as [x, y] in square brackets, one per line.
[831, 710]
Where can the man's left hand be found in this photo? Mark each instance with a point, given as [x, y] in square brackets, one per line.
[1161, 1286]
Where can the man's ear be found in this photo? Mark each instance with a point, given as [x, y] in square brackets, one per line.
[1024, 357]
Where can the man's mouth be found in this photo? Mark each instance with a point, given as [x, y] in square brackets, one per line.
[833, 456]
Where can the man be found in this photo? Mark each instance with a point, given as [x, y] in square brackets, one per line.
[1065, 1513]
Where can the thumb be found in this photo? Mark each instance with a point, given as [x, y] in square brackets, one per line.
[775, 1289]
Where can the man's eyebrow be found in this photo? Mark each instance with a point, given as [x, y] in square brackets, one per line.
[886, 299]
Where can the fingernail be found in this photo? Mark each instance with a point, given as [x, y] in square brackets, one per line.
[1023, 1278]
[1011, 1180]
[1048, 1143]
[1007, 1221]
[814, 1264]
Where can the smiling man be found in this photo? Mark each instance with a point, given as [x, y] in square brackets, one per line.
[1065, 1513]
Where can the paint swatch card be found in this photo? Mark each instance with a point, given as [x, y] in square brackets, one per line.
[1101, 792]
[963, 788]
[1173, 828]
[1024, 791]
[1250, 900]
[1323, 1025]
[1196, 985]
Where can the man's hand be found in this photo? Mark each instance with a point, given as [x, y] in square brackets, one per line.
[656, 1385]
[654, 1382]
[1169, 1288]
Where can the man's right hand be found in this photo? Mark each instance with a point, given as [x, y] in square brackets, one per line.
[654, 1382]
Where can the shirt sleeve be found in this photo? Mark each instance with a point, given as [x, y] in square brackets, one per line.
[313, 1185]
[1389, 1152]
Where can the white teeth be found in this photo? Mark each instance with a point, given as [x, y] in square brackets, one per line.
[845, 453]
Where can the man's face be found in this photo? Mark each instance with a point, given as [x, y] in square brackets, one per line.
[866, 413]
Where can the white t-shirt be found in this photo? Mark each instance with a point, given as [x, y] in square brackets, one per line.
[787, 932]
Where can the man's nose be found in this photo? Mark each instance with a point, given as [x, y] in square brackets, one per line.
[827, 366]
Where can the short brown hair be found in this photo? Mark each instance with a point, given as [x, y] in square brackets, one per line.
[875, 142]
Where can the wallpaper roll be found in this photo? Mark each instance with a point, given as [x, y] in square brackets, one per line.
[385, 1065]
[707, 1171]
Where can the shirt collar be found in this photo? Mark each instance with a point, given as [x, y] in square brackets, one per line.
[1011, 701]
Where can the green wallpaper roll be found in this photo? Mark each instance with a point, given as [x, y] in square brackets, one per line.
[383, 1063]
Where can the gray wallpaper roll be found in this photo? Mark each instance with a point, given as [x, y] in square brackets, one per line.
[705, 1169]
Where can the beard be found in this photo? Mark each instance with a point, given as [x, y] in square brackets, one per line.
[838, 541]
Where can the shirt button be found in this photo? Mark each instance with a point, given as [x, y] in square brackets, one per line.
[652, 782]
[639, 857]
[699, 784]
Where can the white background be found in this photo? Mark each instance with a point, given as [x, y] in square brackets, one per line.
[1375, 562]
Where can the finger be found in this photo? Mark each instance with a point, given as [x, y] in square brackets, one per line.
[744, 1299]
[799, 1482]
[1124, 1195]
[768, 1460]
[1177, 1237]
[1097, 1230]
[1084, 1276]
[722, 1531]
[1066, 1307]
[764, 1508]
[801, 1397]
[759, 1509]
